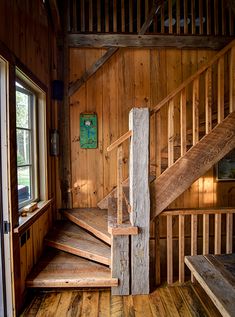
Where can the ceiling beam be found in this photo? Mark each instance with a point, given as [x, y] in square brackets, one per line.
[103, 59]
[148, 41]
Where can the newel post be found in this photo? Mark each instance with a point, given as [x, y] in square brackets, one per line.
[139, 199]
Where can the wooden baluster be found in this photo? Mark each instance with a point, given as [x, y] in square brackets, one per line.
[183, 122]
[223, 21]
[90, 16]
[216, 22]
[98, 16]
[200, 17]
[221, 89]
[217, 234]
[169, 251]
[229, 233]
[193, 238]
[170, 16]
[178, 16]
[158, 144]
[205, 234]
[115, 16]
[130, 16]
[208, 17]
[171, 133]
[162, 20]
[123, 16]
[106, 16]
[193, 16]
[231, 22]
[186, 17]
[181, 248]
[146, 9]
[157, 252]
[75, 22]
[119, 184]
[82, 16]
[232, 80]
[208, 99]
[138, 15]
[196, 111]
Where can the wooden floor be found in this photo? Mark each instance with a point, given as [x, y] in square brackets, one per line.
[186, 300]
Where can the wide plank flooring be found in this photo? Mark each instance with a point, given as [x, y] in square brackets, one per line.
[185, 300]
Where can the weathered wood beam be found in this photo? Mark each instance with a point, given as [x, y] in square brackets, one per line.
[195, 163]
[149, 41]
[91, 71]
[55, 15]
[139, 199]
[103, 59]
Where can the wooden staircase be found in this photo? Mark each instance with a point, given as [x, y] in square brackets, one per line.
[78, 253]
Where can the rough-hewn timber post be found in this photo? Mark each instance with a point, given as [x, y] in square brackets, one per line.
[139, 199]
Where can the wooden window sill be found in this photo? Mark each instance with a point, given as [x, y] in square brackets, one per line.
[26, 222]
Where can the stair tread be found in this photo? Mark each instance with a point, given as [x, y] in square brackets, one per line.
[92, 219]
[60, 269]
[69, 237]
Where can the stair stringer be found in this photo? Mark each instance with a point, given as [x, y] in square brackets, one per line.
[195, 163]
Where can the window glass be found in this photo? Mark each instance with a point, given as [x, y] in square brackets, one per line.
[26, 132]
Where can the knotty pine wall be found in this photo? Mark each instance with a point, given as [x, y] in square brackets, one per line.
[132, 77]
[27, 40]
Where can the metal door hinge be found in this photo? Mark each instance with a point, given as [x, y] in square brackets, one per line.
[7, 227]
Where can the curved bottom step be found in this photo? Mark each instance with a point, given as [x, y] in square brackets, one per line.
[60, 269]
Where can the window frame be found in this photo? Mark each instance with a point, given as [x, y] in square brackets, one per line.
[33, 151]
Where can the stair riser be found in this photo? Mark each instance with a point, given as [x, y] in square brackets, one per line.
[78, 252]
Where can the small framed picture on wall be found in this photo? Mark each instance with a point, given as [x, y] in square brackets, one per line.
[225, 169]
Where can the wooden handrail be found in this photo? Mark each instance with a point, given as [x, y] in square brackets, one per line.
[119, 141]
[192, 78]
[187, 212]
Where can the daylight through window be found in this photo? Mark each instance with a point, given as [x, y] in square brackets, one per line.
[26, 131]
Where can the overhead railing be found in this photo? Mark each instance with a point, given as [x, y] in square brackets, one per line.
[188, 17]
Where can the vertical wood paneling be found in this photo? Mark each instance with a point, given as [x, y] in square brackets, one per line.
[178, 16]
[205, 234]
[170, 16]
[193, 17]
[107, 16]
[130, 16]
[185, 16]
[208, 100]
[208, 17]
[98, 16]
[90, 15]
[123, 15]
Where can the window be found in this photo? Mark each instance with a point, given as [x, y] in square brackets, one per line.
[27, 152]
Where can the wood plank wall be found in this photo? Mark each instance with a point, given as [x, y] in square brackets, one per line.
[133, 77]
[27, 37]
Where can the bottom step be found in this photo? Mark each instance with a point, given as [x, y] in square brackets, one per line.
[60, 269]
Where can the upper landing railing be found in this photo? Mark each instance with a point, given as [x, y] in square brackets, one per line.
[182, 17]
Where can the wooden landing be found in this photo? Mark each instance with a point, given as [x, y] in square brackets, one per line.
[216, 274]
[69, 237]
[60, 269]
[117, 230]
[92, 219]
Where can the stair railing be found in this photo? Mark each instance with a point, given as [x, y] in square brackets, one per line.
[185, 107]
[217, 226]
[118, 144]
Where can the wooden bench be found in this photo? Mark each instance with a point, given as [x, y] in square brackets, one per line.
[216, 274]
